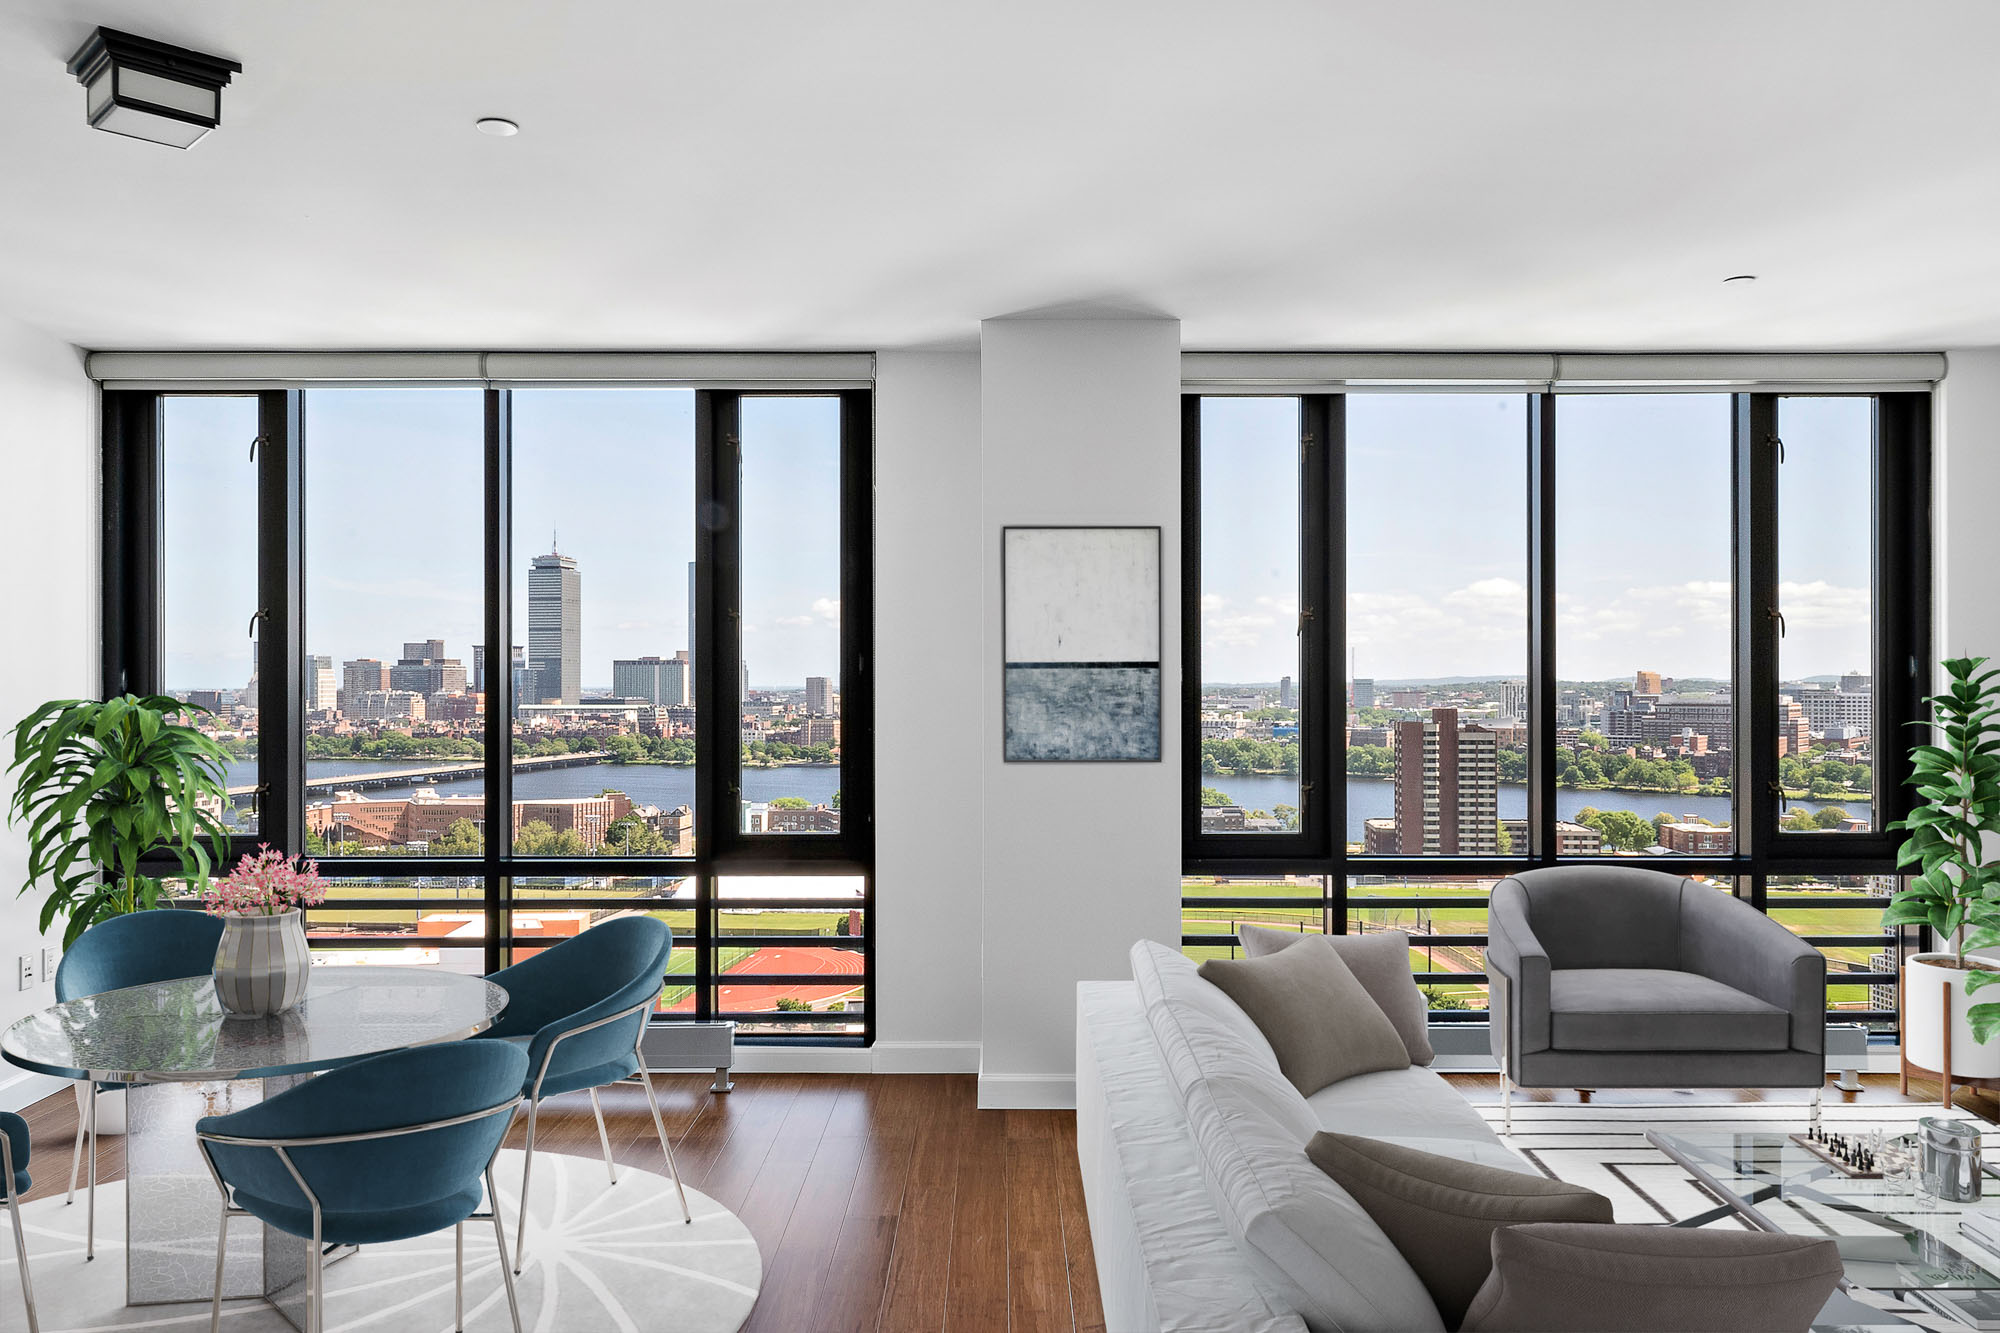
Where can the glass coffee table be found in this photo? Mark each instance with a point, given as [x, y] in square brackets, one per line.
[1892, 1240]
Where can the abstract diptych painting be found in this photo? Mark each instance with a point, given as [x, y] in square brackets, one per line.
[1081, 628]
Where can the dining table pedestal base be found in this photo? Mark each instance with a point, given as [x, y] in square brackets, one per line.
[172, 1206]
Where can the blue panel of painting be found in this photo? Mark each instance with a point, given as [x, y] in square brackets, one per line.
[1082, 712]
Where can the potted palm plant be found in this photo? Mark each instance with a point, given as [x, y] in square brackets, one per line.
[101, 786]
[1956, 891]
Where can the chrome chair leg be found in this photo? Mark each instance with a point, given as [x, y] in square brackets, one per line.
[76, 1153]
[90, 1202]
[527, 1170]
[660, 1126]
[603, 1139]
[20, 1237]
[500, 1239]
[221, 1250]
[458, 1277]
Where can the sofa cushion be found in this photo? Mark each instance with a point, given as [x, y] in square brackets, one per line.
[1381, 963]
[1302, 1235]
[1321, 1023]
[1397, 1101]
[1442, 1212]
[1571, 1278]
[1652, 1009]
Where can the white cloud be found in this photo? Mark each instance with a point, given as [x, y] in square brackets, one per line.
[1822, 605]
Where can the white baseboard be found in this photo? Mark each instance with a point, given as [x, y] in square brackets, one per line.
[884, 1057]
[1027, 1092]
[26, 1088]
[926, 1057]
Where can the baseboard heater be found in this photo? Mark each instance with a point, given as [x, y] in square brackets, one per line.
[676, 1047]
[1466, 1046]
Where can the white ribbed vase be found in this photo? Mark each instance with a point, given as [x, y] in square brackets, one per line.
[262, 963]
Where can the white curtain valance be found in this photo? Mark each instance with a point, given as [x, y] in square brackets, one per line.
[278, 370]
[1474, 372]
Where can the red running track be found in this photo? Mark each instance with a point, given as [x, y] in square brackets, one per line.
[842, 967]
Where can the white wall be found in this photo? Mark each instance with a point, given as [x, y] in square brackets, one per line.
[1967, 489]
[1080, 423]
[49, 537]
[929, 620]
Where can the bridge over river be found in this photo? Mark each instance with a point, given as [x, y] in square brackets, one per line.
[404, 777]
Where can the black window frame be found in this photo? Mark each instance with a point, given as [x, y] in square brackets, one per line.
[1901, 586]
[133, 618]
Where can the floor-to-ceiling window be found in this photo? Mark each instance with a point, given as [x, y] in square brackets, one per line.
[513, 661]
[1682, 629]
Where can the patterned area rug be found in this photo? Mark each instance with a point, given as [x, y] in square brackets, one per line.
[600, 1257]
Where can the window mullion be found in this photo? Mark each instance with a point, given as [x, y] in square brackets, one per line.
[497, 846]
[281, 619]
[1542, 687]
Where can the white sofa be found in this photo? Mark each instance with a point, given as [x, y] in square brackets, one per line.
[1205, 1213]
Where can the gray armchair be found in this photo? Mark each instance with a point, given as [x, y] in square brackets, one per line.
[1615, 977]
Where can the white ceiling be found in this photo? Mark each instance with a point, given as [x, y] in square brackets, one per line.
[863, 174]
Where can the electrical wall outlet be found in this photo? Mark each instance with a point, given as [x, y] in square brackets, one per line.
[49, 957]
[27, 970]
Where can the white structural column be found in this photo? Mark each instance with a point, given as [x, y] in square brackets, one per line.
[1967, 491]
[1080, 424]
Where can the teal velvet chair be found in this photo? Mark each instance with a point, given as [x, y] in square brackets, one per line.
[579, 1009]
[14, 1179]
[136, 949]
[387, 1148]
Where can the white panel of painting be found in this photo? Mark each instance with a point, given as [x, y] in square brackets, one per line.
[1082, 594]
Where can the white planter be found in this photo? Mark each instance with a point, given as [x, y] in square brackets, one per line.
[110, 1109]
[1924, 1017]
[262, 963]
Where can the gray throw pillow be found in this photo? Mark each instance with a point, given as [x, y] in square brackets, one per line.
[1320, 1022]
[1381, 963]
[1565, 1278]
[1441, 1212]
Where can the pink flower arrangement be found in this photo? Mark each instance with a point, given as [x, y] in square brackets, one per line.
[266, 884]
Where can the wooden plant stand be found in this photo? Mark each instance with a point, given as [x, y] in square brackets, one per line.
[1946, 1079]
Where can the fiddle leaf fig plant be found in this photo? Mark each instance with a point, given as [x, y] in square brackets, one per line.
[1956, 891]
[99, 787]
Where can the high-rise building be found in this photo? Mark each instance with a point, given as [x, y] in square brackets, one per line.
[425, 670]
[1287, 696]
[657, 680]
[1646, 682]
[1447, 788]
[1794, 731]
[1837, 708]
[555, 628]
[819, 696]
[1364, 692]
[1855, 682]
[322, 687]
[1514, 698]
[359, 677]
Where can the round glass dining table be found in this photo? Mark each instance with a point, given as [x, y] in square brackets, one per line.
[186, 1057]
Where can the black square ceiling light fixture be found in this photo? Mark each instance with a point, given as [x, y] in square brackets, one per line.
[149, 90]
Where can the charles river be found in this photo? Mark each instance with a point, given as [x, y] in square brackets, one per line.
[668, 786]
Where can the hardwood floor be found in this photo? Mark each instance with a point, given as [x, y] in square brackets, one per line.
[888, 1202]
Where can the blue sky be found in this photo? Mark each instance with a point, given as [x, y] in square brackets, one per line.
[394, 546]
[1437, 535]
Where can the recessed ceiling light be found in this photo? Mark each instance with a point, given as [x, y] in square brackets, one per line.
[495, 126]
[1742, 277]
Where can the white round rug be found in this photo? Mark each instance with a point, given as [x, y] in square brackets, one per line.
[600, 1257]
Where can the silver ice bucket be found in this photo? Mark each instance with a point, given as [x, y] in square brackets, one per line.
[1950, 1159]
